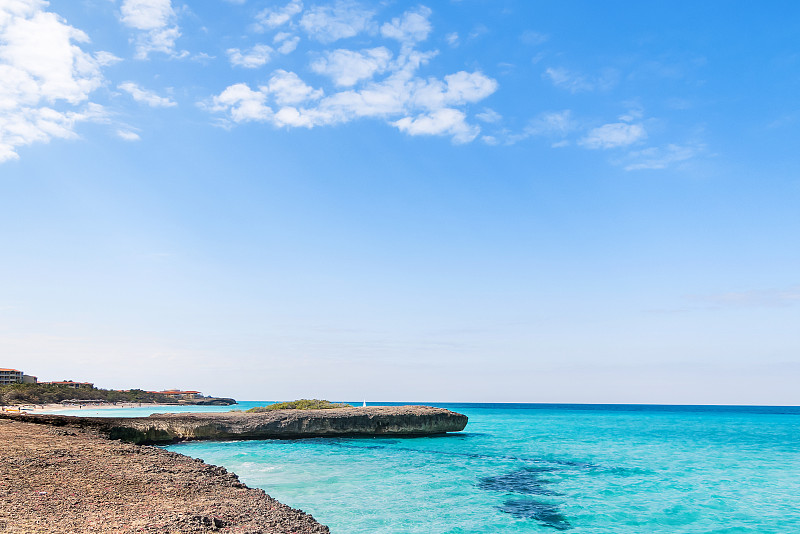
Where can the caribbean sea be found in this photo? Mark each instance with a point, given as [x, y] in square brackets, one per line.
[587, 469]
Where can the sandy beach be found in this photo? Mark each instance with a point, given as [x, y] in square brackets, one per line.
[65, 479]
[49, 408]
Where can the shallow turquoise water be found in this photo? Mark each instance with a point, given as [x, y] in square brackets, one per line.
[539, 468]
[145, 410]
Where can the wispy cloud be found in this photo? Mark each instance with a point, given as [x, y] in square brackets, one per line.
[489, 115]
[575, 82]
[414, 105]
[444, 121]
[412, 27]
[271, 18]
[288, 89]
[127, 135]
[347, 67]
[329, 23]
[552, 124]
[258, 56]
[613, 135]
[452, 39]
[757, 298]
[661, 157]
[155, 21]
[533, 38]
[146, 97]
[286, 42]
[47, 77]
[366, 83]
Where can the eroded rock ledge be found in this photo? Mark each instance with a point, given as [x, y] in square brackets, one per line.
[280, 424]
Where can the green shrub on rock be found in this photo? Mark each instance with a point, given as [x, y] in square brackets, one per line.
[302, 404]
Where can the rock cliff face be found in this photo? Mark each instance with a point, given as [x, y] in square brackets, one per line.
[280, 424]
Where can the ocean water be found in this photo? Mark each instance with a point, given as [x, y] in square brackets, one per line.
[587, 469]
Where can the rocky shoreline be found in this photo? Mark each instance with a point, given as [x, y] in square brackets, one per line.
[278, 424]
[72, 479]
[63, 474]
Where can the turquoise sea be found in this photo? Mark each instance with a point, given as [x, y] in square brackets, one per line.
[587, 469]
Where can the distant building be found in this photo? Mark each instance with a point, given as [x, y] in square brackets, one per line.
[15, 376]
[10, 376]
[70, 384]
[178, 394]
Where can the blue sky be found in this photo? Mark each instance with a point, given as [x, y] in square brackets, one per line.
[455, 200]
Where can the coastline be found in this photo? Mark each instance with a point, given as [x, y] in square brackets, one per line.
[49, 408]
[59, 479]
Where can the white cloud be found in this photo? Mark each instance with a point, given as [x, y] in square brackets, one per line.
[288, 88]
[369, 83]
[459, 88]
[329, 23]
[256, 57]
[552, 124]
[242, 103]
[348, 67]
[377, 100]
[570, 81]
[452, 39]
[146, 14]
[614, 135]
[661, 158]
[45, 77]
[444, 121]
[286, 42]
[127, 135]
[106, 58]
[414, 105]
[271, 18]
[489, 115]
[147, 97]
[155, 20]
[412, 27]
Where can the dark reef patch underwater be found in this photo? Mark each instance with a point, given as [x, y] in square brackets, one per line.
[526, 481]
[547, 514]
[529, 481]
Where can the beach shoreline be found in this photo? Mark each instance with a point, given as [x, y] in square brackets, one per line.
[50, 408]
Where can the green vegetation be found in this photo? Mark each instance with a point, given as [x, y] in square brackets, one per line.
[302, 404]
[51, 394]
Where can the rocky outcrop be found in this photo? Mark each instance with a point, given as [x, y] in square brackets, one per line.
[213, 401]
[278, 424]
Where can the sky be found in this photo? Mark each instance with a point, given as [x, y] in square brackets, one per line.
[485, 201]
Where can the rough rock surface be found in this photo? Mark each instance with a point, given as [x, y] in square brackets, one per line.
[278, 424]
[69, 479]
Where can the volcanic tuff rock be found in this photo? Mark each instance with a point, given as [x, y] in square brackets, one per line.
[278, 424]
